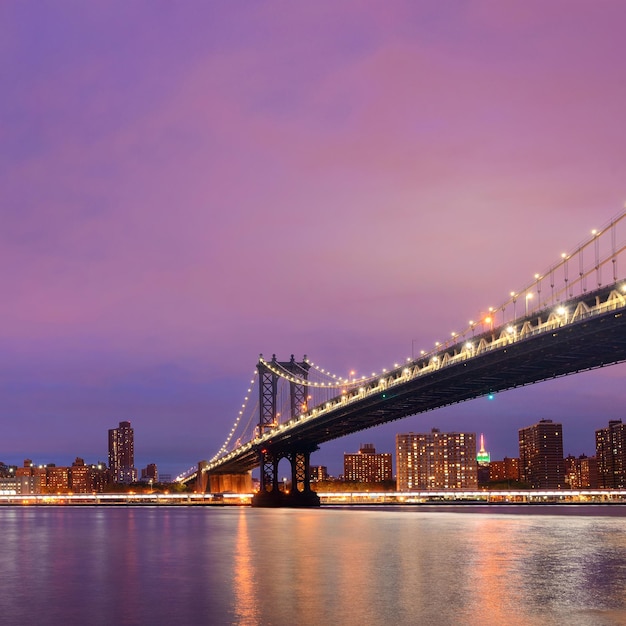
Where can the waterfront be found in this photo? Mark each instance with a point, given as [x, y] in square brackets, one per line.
[448, 496]
[236, 565]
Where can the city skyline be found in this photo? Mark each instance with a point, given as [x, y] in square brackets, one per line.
[336, 465]
[186, 187]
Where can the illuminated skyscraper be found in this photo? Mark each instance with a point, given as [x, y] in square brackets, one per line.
[122, 454]
[611, 455]
[483, 456]
[483, 459]
[541, 455]
[436, 460]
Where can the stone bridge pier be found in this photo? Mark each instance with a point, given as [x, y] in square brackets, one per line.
[270, 493]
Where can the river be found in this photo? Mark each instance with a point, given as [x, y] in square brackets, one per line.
[448, 565]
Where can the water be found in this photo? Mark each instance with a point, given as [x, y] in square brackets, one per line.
[405, 565]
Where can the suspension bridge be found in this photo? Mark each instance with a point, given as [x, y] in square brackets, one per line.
[568, 319]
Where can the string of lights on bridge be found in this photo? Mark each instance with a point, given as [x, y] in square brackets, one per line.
[486, 322]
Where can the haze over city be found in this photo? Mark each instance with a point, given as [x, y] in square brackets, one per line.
[186, 186]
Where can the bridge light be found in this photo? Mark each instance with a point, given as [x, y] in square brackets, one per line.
[561, 310]
[490, 396]
[469, 345]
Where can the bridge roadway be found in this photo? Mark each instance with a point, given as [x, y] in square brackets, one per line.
[586, 332]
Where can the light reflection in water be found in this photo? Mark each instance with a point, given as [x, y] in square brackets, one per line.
[245, 592]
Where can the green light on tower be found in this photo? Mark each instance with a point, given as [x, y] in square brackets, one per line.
[483, 456]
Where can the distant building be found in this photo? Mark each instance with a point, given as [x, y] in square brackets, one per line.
[507, 469]
[483, 459]
[581, 472]
[436, 460]
[122, 454]
[57, 479]
[367, 466]
[611, 455]
[150, 473]
[100, 476]
[7, 471]
[33, 477]
[80, 477]
[318, 472]
[541, 455]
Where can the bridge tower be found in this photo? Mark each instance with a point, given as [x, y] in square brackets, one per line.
[298, 456]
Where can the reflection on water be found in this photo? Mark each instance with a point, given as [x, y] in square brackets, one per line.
[245, 606]
[408, 565]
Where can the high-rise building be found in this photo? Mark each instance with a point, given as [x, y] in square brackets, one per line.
[483, 459]
[541, 455]
[436, 460]
[611, 455]
[122, 454]
[367, 466]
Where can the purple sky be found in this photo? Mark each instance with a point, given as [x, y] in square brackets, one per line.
[187, 185]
